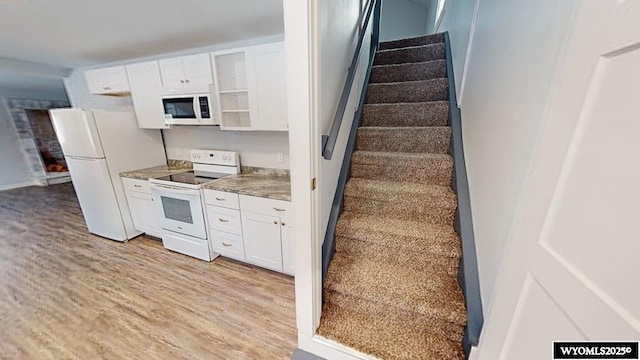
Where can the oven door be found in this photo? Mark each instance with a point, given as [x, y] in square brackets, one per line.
[180, 210]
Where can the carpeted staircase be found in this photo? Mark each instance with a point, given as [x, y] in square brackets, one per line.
[391, 290]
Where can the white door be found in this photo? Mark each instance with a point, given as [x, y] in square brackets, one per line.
[267, 85]
[571, 274]
[116, 79]
[262, 245]
[286, 234]
[77, 133]
[146, 94]
[97, 198]
[144, 213]
[96, 81]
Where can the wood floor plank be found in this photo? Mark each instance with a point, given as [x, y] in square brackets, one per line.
[68, 294]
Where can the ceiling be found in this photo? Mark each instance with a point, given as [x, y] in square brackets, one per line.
[77, 33]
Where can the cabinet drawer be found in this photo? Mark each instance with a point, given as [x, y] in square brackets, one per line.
[266, 206]
[221, 198]
[136, 185]
[187, 245]
[229, 245]
[223, 219]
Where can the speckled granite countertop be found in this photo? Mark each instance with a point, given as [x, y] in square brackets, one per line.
[153, 172]
[267, 186]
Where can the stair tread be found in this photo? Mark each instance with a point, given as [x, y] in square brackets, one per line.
[407, 83]
[428, 113]
[385, 338]
[412, 41]
[428, 291]
[400, 65]
[413, 47]
[361, 156]
[411, 139]
[417, 236]
[437, 195]
[403, 256]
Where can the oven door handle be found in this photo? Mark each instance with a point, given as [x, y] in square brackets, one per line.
[173, 190]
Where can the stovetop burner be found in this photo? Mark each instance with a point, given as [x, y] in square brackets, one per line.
[188, 177]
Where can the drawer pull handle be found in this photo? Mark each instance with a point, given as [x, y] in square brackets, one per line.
[137, 185]
[221, 199]
[225, 244]
[283, 224]
[275, 222]
[279, 209]
[223, 220]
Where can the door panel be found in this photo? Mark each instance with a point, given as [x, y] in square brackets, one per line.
[97, 198]
[197, 69]
[568, 275]
[77, 132]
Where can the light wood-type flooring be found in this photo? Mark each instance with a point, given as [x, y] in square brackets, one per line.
[67, 294]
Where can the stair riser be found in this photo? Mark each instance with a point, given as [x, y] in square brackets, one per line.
[410, 55]
[392, 172]
[417, 114]
[418, 41]
[412, 320]
[408, 92]
[409, 72]
[399, 210]
[407, 141]
[401, 256]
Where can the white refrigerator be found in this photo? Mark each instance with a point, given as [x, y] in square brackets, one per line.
[98, 145]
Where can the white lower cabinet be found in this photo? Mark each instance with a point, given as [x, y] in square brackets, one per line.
[251, 229]
[142, 207]
[262, 240]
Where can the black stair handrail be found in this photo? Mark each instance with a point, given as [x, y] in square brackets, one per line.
[329, 141]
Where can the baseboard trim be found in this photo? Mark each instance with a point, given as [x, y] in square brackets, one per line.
[19, 185]
[468, 270]
[330, 349]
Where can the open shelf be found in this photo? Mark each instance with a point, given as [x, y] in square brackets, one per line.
[236, 120]
[233, 91]
[236, 111]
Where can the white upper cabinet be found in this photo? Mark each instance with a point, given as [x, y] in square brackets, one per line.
[251, 87]
[146, 92]
[186, 70]
[267, 75]
[107, 81]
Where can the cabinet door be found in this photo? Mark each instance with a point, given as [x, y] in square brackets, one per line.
[172, 72]
[95, 81]
[116, 79]
[197, 69]
[144, 213]
[262, 244]
[146, 92]
[268, 86]
[286, 233]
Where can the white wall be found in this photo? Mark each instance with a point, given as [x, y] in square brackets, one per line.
[457, 20]
[510, 71]
[338, 36]
[402, 19]
[257, 149]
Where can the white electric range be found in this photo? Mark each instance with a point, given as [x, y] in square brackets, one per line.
[180, 202]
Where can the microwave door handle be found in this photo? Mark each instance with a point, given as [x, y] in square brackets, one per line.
[196, 107]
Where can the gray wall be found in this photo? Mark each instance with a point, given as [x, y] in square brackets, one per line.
[402, 19]
[515, 48]
[14, 171]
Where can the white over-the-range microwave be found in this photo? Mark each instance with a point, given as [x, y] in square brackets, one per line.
[191, 105]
